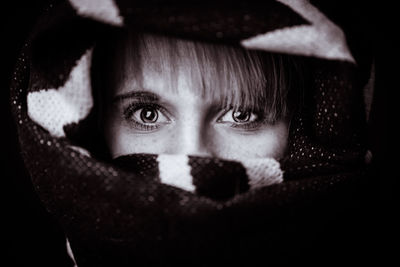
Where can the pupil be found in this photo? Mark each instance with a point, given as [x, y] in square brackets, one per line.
[148, 115]
[240, 116]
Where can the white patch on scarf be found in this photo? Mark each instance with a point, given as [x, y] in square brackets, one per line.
[80, 150]
[69, 252]
[102, 10]
[262, 172]
[321, 39]
[175, 171]
[54, 108]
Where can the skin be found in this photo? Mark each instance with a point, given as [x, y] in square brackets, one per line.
[151, 118]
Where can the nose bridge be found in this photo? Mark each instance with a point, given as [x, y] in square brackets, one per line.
[192, 132]
[193, 136]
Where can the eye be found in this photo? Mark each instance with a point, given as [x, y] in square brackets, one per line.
[241, 116]
[146, 117]
[238, 116]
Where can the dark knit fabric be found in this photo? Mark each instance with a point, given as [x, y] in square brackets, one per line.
[120, 213]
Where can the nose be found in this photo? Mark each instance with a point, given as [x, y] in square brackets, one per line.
[191, 138]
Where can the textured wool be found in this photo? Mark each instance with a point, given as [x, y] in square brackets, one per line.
[170, 209]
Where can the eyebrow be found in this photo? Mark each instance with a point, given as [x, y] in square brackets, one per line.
[145, 95]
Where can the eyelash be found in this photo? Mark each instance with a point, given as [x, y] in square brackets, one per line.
[133, 107]
[248, 126]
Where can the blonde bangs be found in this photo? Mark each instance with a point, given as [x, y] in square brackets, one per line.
[231, 76]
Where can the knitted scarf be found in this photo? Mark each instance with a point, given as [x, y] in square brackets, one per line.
[171, 209]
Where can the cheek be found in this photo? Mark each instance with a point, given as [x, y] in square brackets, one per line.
[122, 141]
[270, 142]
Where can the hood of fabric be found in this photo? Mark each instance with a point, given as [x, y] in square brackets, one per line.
[182, 208]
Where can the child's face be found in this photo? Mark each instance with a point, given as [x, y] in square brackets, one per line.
[151, 118]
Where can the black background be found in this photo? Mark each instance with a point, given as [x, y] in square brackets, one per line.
[31, 238]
